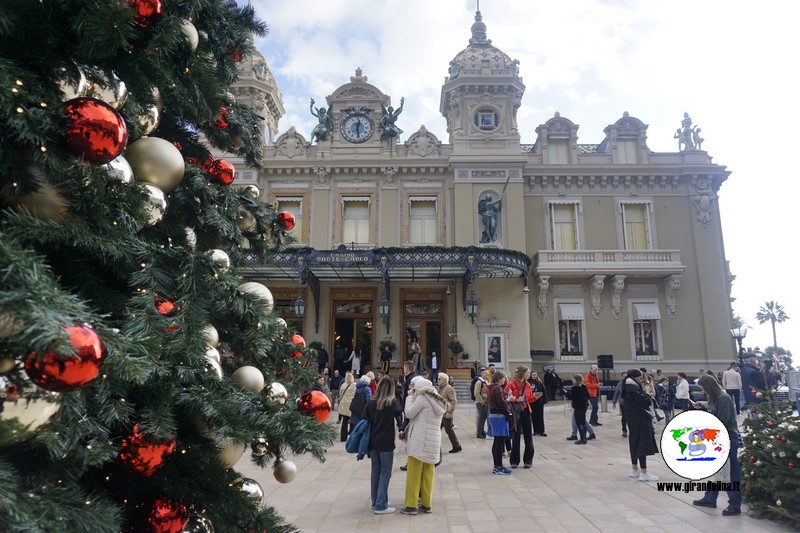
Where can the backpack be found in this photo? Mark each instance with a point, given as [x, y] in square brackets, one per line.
[472, 387]
[358, 441]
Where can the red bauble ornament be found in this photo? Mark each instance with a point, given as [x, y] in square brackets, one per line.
[770, 424]
[144, 457]
[315, 403]
[177, 145]
[58, 373]
[749, 490]
[223, 172]
[286, 220]
[11, 389]
[166, 516]
[752, 458]
[791, 465]
[208, 162]
[165, 306]
[221, 123]
[753, 410]
[298, 340]
[146, 12]
[96, 131]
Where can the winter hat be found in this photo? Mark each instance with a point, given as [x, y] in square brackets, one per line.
[634, 373]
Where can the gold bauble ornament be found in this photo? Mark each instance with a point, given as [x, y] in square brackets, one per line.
[249, 378]
[190, 32]
[284, 471]
[211, 334]
[7, 364]
[276, 393]
[257, 289]
[45, 203]
[156, 204]
[230, 452]
[120, 169]
[219, 259]
[157, 162]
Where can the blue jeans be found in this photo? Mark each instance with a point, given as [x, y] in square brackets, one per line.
[593, 416]
[734, 496]
[684, 404]
[381, 474]
[575, 427]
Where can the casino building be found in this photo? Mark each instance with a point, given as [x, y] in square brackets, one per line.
[546, 250]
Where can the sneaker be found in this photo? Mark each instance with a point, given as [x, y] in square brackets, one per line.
[595, 424]
[424, 509]
[455, 450]
[542, 434]
[481, 436]
[388, 510]
[731, 511]
[404, 468]
[408, 510]
[573, 437]
[515, 466]
[591, 437]
[528, 465]
[500, 471]
[648, 477]
[705, 503]
[634, 473]
[506, 470]
[580, 441]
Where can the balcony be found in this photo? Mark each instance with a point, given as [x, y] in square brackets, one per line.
[640, 263]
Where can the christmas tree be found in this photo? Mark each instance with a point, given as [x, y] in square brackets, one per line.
[770, 462]
[136, 362]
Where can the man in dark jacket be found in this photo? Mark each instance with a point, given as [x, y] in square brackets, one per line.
[323, 359]
[752, 380]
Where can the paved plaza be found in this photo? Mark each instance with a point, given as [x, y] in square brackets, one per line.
[569, 488]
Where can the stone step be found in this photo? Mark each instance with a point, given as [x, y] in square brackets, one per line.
[462, 391]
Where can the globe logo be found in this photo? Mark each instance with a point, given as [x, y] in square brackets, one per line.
[695, 445]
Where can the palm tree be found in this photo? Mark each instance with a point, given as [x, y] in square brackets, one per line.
[774, 313]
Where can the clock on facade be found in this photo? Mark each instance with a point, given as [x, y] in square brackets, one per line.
[357, 126]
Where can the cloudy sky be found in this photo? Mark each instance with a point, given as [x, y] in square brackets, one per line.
[730, 65]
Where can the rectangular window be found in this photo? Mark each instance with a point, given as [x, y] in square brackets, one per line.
[635, 226]
[423, 222]
[564, 227]
[293, 205]
[646, 317]
[570, 328]
[558, 151]
[626, 150]
[355, 220]
[247, 176]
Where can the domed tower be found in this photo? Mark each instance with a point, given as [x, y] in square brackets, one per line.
[481, 96]
[257, 89]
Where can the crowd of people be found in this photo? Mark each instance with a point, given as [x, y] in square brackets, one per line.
[510, 409]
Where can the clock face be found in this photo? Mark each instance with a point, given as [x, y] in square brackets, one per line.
[357, 128]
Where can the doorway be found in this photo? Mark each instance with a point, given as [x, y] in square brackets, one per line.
[353, 320]
[423, 322]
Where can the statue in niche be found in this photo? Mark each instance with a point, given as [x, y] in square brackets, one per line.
[389, 128]
[325, 127]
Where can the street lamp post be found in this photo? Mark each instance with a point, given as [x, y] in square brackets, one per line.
[383, 310]
[739, 333]
[472, 307]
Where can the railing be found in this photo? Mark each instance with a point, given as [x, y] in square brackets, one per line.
[661, 261]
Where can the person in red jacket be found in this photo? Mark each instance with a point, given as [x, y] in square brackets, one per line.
[520, 395]
[592, 382]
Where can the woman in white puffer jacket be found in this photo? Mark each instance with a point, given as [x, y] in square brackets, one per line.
[424, 410]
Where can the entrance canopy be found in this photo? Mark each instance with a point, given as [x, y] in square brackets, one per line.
[415, 264]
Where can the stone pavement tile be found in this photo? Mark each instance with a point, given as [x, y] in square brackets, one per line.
[570, 488]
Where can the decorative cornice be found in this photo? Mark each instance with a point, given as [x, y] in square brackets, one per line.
[597, 285]
[616, 295]
[671, 286]
[542, 283]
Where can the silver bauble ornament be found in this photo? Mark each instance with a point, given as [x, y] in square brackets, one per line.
[257, 289]
[28, 409]
[213, 366]
[251, 487]
[191, 238]
[249, 378]
[259, 447]
[113, 92]
[156, 204]
[247, 222]
[9, 325]
[284, 471]
[230, 452]
[157, 162]
[119, 169]
[213, 353]
[276, 393]
[230, 98]
[219, 259]
[198, 524]
[759, 395]
[281, 322]
[778, 503]
[152, 115]
[253, 191]
[73, 89]
[211, 335]
[190, 32]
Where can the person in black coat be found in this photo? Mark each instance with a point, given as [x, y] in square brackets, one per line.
[641, 435]
[551, 382]
[537, 407]
[579, 395]
[383, 413]
[323, 359]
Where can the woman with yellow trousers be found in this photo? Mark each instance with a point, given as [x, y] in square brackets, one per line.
[424, 410]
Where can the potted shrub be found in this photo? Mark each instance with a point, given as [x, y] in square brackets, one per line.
[456, 348]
